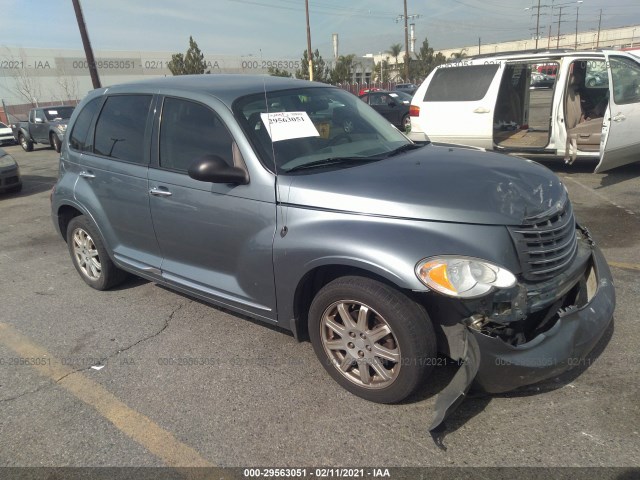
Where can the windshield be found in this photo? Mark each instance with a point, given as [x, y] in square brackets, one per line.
[58, 113]
[306, 126]
[2, 125]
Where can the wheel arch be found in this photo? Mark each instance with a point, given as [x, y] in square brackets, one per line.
[316, 278]
[66, 213]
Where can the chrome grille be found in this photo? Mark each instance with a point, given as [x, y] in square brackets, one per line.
[546, 246]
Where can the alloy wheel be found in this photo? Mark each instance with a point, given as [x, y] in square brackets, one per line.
[360, 344]
[86, 254]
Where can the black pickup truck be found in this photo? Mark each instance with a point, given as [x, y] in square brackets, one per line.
[45, 125]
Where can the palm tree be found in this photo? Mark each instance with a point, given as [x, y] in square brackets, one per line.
[394, 51]
[458, 55]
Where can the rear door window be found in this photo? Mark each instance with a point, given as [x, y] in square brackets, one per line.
[461, 84]
[121, 127]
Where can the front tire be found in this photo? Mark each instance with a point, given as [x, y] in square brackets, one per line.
[371, 338]
[27, 145]
[90, 257]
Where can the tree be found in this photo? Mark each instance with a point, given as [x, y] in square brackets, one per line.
[192, 63]
[320, 69]
[394, 51]
[343, 70]
[426, 60]
[276, 72]
[27, 87]
[381, 75]
[458, 55]
[68, 84]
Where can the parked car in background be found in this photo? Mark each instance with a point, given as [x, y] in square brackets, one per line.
[10, 180]
[486, 102]
[550, 69]
[594, 79]
[542, 80]
[45, 125]
[367, 90]
[6, 134]
[254, 194]
[409, 88]
[394, 106]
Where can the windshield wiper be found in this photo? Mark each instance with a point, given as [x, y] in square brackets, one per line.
[404, 148]
[324, 162]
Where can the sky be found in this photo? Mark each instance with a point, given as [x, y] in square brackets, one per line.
[276, 29]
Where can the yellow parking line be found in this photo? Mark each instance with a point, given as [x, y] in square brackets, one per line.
[137, 426]
[629, 266]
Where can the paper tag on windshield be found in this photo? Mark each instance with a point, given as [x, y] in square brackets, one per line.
[52, 112]
[288, 125]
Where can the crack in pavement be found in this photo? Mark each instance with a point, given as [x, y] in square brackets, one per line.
[102, 360]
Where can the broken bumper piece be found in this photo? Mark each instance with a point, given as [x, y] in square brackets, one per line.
[495, 366]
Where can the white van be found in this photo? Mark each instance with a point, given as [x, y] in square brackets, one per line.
[591, 110]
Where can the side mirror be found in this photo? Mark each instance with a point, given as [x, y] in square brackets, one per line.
[39, 120]
[392, 103]
[212, 168]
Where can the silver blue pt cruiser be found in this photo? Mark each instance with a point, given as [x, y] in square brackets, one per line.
[297, 204]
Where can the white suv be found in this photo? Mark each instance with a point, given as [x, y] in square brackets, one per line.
[490, 102]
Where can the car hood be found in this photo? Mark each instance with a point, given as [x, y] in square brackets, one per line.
[448, 184]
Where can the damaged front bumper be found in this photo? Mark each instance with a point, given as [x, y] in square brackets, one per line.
[494, 366]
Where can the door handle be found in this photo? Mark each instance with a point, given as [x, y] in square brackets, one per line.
[619, 117]
[87, 174]
[481, 110]
[160, 192]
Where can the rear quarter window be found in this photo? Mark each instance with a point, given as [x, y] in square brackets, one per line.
[78, 137]
[460, 84]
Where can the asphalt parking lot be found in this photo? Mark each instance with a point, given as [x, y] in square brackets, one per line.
[180, 383]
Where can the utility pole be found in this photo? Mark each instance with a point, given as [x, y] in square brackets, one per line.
[599, 22]
[309, 54]
[575, 47]
[479, 45]
[406, 44]
[538, 25]
[93, 70]
[559, 22]
[406, 37]
[537, 20]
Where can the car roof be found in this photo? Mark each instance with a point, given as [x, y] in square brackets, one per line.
[542, 55]
[225, 87]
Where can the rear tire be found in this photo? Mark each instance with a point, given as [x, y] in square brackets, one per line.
[27, 145]
[55, 142]
[372, 339]
[90, 257]
[406, 124]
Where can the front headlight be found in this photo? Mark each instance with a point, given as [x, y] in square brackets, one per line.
[7, 161]
[62, 128]
[462, 277]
